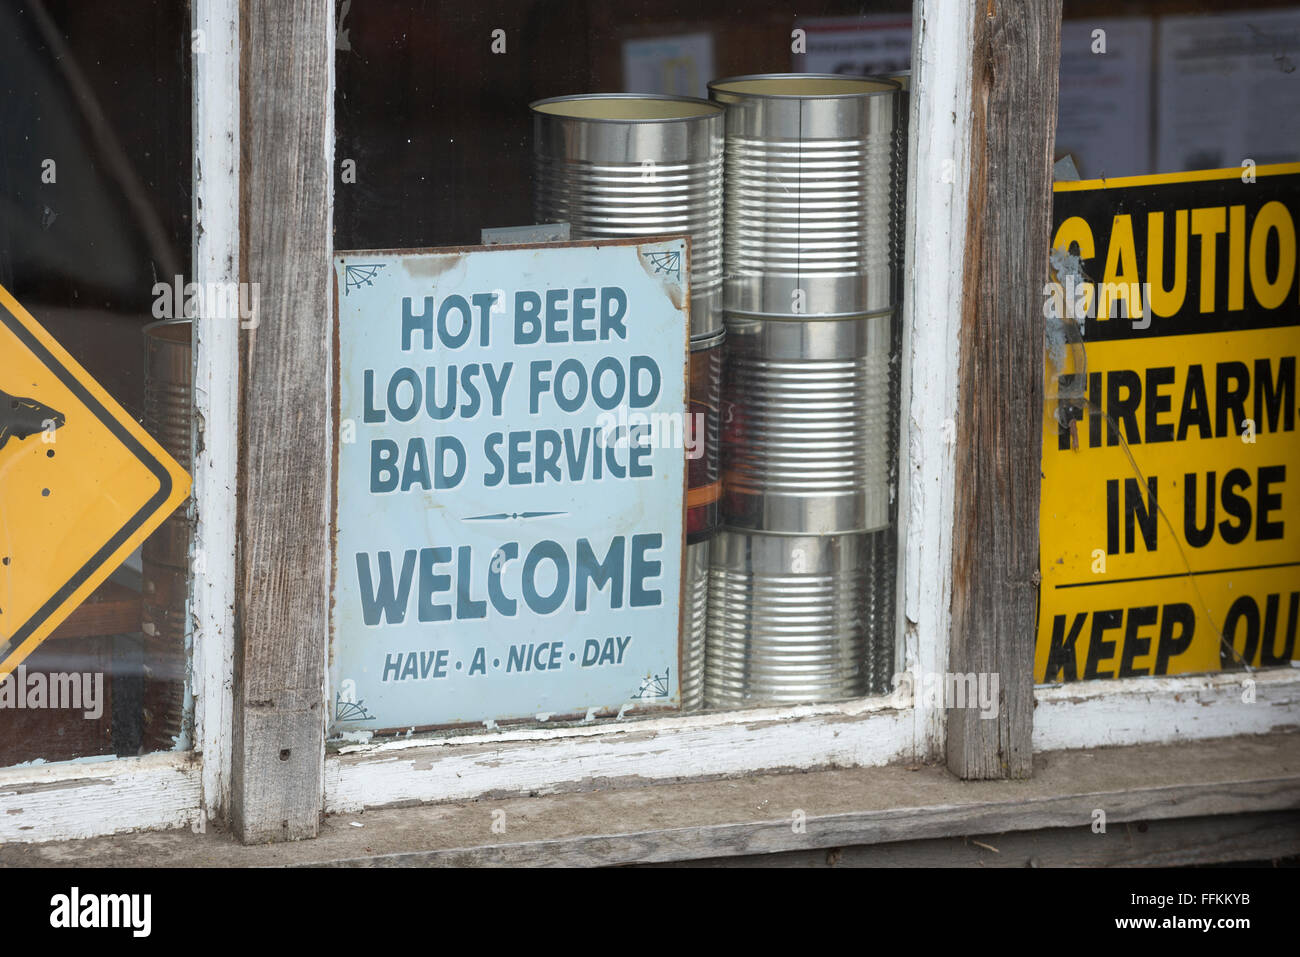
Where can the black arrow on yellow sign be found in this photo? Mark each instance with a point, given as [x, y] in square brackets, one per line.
[81, 486]
[22, 418]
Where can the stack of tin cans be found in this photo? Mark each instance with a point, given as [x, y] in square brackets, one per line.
[624, 166]
[791, 600]
[809, 303]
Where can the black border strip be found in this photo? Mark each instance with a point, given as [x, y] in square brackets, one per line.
[133, 445]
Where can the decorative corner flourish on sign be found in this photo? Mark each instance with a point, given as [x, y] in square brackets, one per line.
[655, 686]
[348, 710]
[667, 263]
[360, 274]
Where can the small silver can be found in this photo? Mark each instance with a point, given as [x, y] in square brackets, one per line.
[168, 399]
[805, 447]
[898, 214]
[696, 597]
[619, 166]
[808, 191]
[787, 619]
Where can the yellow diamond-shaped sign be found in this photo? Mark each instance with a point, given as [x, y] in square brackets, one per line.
[82, 485]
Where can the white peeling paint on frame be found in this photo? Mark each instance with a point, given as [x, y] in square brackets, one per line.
[861, 733]
[216, 393]
[85, 799]
[1090, 714]
[938, 187]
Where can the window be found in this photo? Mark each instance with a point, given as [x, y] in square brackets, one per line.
[790, 561]
[1178, 564]
[95, 246]
[859, 558]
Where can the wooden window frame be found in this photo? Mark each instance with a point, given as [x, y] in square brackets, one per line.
[982, 128]
[862, 732]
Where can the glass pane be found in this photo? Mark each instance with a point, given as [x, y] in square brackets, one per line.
[94, 212]
[791, 519]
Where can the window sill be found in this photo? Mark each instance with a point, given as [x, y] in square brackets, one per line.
[707, 820]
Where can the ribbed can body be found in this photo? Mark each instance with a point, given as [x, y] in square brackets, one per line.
[805, 448]
[786, 619]
[886, 548]
[696, 597]
[703, 435]
[898, 188]
[808, 196]
[168, 398]
[799, 575]
[163, 618]
[614, 167]
[704, 490]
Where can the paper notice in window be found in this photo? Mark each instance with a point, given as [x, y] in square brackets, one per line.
[1105, 107]
[1228, 90]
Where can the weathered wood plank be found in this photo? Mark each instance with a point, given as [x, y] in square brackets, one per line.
[1179, 843]
[286, 139]
[50, 801]
[1125, 711]
[760, 814]
[1016, 53]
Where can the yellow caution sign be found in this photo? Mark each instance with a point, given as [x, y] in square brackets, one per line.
[1170, 515]
[82, 485]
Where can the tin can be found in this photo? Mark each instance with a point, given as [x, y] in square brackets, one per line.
[808, 193]
[787, 619]
[885, 547]
[898, 180]
[696, 615]
[168, 399]
[704, 491]
[163, 621]
[805, 425]
[618, 166]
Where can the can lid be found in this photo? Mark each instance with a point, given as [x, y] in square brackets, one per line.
[627, 107]
[803, 85]
[170, 330]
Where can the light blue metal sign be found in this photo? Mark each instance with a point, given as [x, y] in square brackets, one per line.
[510, 483]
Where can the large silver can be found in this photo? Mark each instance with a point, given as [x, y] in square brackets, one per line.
[808, 193]
[787, 619]
[618, 166]
[805, 445]
[696, 597]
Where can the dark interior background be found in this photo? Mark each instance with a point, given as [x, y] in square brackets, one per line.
[103, 90]
[439, 126]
